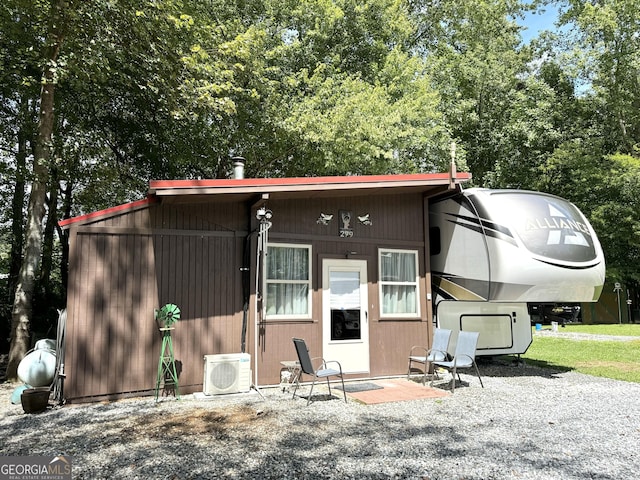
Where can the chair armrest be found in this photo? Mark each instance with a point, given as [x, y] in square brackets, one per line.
[419, 347]
[444, 353]
[455, 359]
[317, 363]
[326, 363]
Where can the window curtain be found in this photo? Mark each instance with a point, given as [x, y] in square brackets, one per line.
[287, 291]
[399, 289]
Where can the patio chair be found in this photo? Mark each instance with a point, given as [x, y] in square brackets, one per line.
[438, 351]
[464, 357]
[306, 367]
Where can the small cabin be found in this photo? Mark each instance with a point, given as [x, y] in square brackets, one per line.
[342, 262]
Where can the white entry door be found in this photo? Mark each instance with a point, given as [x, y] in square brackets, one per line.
[345, 325]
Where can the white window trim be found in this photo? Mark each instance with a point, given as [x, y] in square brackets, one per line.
[308, 315]
[381, 283]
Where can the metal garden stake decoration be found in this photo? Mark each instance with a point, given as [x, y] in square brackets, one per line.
[166, 318]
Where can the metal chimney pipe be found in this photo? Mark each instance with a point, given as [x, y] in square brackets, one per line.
[238, 167]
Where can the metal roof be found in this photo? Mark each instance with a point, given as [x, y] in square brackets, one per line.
[271, 185]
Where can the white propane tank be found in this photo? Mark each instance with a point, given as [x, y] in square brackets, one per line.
[45, 344]
[37, 368]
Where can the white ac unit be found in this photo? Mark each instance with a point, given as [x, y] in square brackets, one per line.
[227, 373]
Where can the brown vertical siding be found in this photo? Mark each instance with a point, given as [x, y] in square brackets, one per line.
[390, 342]
[276, 345]
[398, 222]
[117, 279]
[107, 322]
[207, 289]
[122, 268]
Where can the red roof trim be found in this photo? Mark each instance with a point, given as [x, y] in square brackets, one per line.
[288, 181]
[108, 211]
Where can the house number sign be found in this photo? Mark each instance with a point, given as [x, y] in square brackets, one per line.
[346, 230]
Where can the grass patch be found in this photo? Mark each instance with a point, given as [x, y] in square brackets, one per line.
[610, 359]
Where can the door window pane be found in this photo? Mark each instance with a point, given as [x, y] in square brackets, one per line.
[344, 302]
[345, 289]
[345, 324]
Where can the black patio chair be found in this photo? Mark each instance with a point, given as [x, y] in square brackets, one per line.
[306, 367]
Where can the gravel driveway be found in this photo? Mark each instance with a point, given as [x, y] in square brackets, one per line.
[527, 423]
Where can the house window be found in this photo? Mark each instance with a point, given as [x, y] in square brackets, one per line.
[398, 279]
[288, 281]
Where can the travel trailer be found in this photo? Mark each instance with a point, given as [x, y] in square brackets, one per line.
[494, 251]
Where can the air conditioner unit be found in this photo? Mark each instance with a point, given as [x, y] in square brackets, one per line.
[227, 373]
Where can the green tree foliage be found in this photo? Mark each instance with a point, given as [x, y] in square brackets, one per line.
[618, 219]
[19, 87]
[174, 89]
[157, 86]
[496, 107]
[342, 124]
[343, 94]
[607, 190]
[607, 57]
[596, 165]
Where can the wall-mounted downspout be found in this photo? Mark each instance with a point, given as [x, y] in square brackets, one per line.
[238, 173]
[263, 215]
[246, 289]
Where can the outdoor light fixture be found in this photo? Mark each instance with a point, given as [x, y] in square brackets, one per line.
[264, 213]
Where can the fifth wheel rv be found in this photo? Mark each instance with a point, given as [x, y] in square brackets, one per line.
[492, 251]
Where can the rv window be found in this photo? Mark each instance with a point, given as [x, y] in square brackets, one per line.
[288, 282]
[434, 241]
[398, 280]
[551, 228]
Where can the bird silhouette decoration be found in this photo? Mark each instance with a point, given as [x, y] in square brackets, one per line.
[365, 220]
[324, 219]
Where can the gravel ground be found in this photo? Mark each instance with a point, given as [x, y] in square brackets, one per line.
[527, 423]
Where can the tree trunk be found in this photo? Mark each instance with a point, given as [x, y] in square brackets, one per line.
[22, 303]
[67, 200]
[50, 228]
[17, 212]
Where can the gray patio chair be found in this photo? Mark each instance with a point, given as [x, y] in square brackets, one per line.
[437, 352]
[464, 357]
[306, 366]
